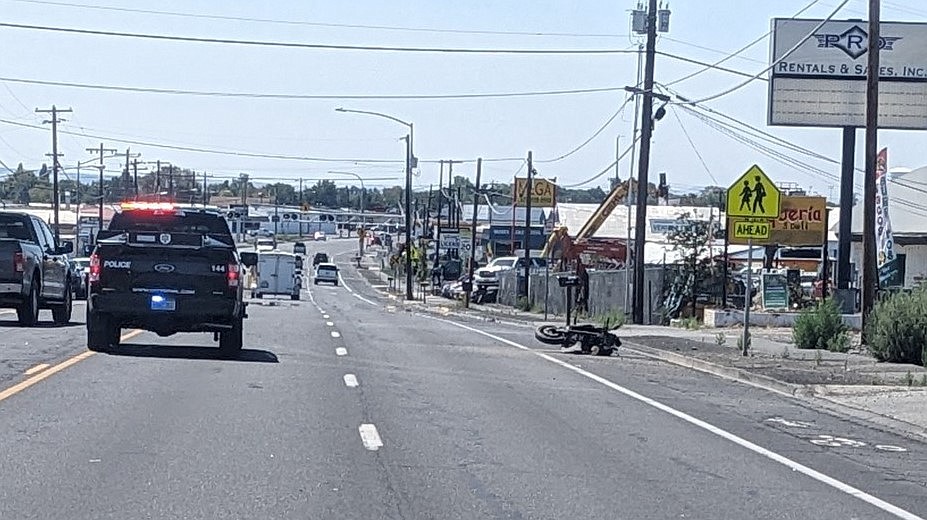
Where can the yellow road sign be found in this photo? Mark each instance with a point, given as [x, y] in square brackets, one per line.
[753, 195]
[544, 193]
[750, 229]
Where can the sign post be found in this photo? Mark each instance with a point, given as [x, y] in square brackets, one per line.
[752, 204]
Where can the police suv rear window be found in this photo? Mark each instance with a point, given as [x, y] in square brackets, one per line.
[186, 222]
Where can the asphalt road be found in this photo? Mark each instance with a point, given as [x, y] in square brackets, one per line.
[345, 406]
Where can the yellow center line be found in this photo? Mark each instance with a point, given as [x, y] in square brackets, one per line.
[41, 376]
[38, 368]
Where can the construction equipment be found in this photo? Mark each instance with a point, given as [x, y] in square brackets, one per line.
[567, 248]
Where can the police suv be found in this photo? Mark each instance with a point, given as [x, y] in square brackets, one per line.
[166, 269]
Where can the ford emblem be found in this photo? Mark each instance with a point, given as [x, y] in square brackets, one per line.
[164, 268]
[165, 238]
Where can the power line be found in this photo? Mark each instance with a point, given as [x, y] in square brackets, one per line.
[692, 144]
[709, 49]
[316, 46]
[738, 51]
[708, 65]
[593, 136]
[257, 155]
[607, 169]
[260, 95]
[319, 24]
[774, 63]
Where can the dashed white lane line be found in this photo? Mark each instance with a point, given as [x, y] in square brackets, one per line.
[724, 434]
[350, 381]
[326, 316]
[336, 334]
[341, 351]
[330, 323]
[370, 437]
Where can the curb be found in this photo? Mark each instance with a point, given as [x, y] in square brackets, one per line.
[818, 395]
[732, 373]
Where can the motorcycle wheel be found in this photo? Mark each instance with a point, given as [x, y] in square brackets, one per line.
[550, 335]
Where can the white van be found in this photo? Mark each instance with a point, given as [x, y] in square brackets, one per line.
[278, 273]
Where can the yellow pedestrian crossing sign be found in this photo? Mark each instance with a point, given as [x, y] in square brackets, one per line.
[753, 195]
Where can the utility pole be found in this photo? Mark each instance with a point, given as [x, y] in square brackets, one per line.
[468, 285]
[408, 210]
[54, 111]
[617, 161]
[135, 176]
[101, 193]
[529, 190]
[870, 276]
[205, 189]
[301, 203]
[170, 183]
[440, 199]
[640, 231]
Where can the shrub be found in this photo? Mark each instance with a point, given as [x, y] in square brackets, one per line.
[896, 330]
[612, 319]
[821, 327]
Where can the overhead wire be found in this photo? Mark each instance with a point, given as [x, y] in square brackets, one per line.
[738, 51]
[775, 62]
[318, 24]
[607, 169]
[593, 136]
[260, 95]
[692, 144]
[315, 46]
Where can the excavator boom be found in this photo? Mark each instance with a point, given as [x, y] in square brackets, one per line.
[612, 201]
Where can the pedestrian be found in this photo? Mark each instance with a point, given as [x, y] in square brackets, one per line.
[759, 193]
[745, 195]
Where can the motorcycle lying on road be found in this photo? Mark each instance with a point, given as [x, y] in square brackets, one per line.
[594, 340]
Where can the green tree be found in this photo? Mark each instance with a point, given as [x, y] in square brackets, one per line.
[691, 241]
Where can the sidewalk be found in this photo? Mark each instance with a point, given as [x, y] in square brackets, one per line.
[892, 395]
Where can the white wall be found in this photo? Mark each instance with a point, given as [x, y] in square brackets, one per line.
[915, 263]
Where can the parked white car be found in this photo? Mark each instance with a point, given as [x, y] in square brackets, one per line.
[265, 244]
[489, 275]
[326, 272]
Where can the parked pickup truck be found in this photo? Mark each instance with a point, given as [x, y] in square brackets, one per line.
[35, 272]
[166, 269]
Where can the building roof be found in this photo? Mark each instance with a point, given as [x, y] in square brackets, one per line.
[502, 214]
[659, 218]
[907, 209]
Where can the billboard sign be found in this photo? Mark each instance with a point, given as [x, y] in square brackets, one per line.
[822, 82]
[543, 193]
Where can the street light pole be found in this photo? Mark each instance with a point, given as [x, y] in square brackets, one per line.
[410, 160]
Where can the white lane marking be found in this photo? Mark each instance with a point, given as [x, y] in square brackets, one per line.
[350, 381]
[354, 294]
[330, 323]
[370, 437]
[38, 368]
[326, 316]
[889, 447]
[341, 351]
[336, 334]
[724, 434]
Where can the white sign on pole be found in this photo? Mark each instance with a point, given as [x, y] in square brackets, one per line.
[823, 82]
[450, 241]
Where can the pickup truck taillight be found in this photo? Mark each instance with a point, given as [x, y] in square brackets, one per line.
[94, 268]
[231, 275]
[19, 262]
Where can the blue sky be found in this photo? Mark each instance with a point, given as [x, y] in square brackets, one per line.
[445, 129]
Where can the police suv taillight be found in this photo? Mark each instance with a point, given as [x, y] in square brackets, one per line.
[94, 268]
[232, 275]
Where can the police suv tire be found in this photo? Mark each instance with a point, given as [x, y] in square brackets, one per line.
[28, 312]
[230, 341]
[61, 314]
[99, 332]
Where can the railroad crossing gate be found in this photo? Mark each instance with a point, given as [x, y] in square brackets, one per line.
[752, 204]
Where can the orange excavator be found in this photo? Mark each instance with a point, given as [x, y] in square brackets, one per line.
[567, 250]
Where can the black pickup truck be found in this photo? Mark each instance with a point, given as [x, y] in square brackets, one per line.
[35, 271]
[166, 269]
